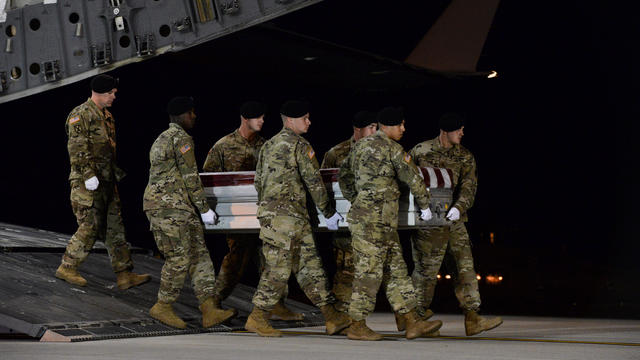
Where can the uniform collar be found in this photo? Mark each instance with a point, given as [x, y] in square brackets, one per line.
[176, 126]
[438, 146]
[239, 136]
[104, 112]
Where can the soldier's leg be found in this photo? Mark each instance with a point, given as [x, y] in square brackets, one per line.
[308, 269]
[90, 211]
[368, 269]
[466, 286]
[115, 241]
[201, 270]
[429, 246]
[233, 266]
[343, 279]
[170, 231]
[397, 283]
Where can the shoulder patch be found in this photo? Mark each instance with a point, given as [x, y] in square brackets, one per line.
[407, 157]
[185, 148]
[311, 154]
[74, 120]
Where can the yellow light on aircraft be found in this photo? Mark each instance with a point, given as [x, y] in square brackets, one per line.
[478, 277]
[439, 277]
[499, 278]
[447, 277]
[492, 75]
[492, 238]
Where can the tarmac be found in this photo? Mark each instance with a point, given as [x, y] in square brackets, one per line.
[518, 338]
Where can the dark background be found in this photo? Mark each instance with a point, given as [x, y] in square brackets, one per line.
[553, 135]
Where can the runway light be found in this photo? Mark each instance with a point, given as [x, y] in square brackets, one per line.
[438, 276]
[447, 277]
[310, 58]
[493, 279]
[492, 238]
[478, 277]
[499, 278]
[492, 75]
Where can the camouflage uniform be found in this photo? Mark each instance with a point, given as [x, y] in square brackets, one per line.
[173, 201]
[286, 166]
[235, 153]
[368, 179]
[342, 250]
[430, 245]
[92, 152]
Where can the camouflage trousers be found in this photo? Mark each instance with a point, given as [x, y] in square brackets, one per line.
[343, 279]
[377, 255]
[429, 248]
[99, 217]
[288, 246]
[242, 249]
[180, 238]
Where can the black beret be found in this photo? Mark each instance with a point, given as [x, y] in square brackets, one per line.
[180, 105]
[390, 116]
[103, 83]
[294, 108]
[364, 118]
[252, 109]
[451, 122]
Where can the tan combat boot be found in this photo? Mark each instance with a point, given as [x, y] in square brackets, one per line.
[334, 320]
[281, 312]
[417, 326]
[213, 315]
[257, 322]
[164, 313]
[360, 331]
[128, 279]
[400, 321]
[70, 275]
[475, 324]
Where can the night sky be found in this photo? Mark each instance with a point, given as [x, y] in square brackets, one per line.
[553, 135]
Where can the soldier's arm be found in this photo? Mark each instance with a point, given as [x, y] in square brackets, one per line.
[310, 174]
[78, 145]
[257, 180]
[347, 179]
[184, 154]
[409, 174]
[214, 161]
[467, 185]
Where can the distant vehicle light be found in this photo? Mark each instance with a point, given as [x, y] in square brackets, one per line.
[492, 75]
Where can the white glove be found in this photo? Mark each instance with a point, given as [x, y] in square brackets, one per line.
[425, 215]
[332, 222]
[453, 214]
[92, 183]
[209, 217]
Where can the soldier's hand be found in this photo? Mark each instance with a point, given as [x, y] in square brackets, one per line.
[209, 217]
[425, 215]
[453, 214]
[91, 183]
[332, 222]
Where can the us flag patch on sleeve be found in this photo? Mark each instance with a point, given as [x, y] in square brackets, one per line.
[185, 148]
[74, 120]
[311, 154]
[407, 157]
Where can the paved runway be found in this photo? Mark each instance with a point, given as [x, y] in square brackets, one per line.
[517, 338]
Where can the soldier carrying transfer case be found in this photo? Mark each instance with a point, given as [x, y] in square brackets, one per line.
[369, 180]
[174, 202]
[364, 124]
[238, 151]
[94, 194]
[286, 166]
[430, 245]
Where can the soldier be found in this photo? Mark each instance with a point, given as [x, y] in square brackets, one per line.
[286, 166]
[364, 124]
[430, 245]
[238, 151]
[94, 194]
[174, 203]
[369, 180]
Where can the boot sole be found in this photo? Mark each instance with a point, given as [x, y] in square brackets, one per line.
[337, 329]
[432, 330]
[352, 337]
[491, 328]
[269, 334]
[70, 282]
[233, 313]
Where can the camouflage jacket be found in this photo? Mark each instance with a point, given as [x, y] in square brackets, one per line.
[336, 155]
[91, 143]
[286, 166]
[233, 153]
[460, 161]
[174, 182]
[368, 179]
